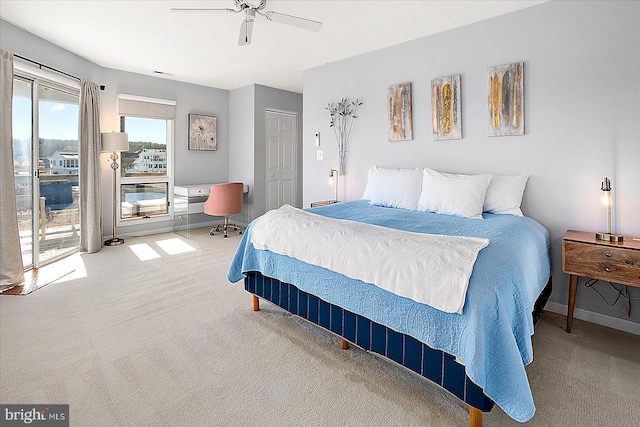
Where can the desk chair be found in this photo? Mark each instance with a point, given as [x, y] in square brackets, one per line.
[224, 200]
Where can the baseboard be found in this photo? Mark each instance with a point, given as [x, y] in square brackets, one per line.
[125, 234]
[597, 318]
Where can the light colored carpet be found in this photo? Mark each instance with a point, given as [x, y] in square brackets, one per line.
[169, 341]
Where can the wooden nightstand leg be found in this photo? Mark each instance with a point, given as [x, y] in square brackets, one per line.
[573, 286]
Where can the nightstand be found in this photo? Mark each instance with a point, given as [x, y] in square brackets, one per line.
[584, 256]
[324, 203]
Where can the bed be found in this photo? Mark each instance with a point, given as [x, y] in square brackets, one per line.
[479, 355]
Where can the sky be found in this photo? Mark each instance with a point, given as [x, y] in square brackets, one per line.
[60, 121]
[57, 120]
[147, 130]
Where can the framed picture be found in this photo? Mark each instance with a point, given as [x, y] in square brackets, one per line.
[400, 121]
[506, 99]
[445, 108]
[203, 132]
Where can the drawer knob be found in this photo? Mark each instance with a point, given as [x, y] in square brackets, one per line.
[607, 269]
[608, 255]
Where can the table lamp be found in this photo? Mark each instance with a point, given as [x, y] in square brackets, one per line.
[334, 173]
[607, 202]
[112, 142]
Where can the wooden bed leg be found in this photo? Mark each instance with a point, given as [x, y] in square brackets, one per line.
[475, 417]
[256, 303]
[344, 344]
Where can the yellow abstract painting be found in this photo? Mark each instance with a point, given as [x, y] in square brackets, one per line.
[445, 108]
[505, 99]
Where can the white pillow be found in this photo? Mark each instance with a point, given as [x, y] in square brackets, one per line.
[395, 188]
[504, 195]
[451, 194]
[367, 189]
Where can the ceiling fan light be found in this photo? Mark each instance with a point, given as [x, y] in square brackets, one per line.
[246, 30]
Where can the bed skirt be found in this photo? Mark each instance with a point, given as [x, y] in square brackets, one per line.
[435, 365]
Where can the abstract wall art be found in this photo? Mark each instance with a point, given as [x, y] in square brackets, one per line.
[445, 108]
[506, 99]
[202, 132]
[400, 121]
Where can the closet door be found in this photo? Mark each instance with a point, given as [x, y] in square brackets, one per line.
[280, 155]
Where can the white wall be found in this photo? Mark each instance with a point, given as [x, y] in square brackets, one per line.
[241, 124]
[247, 161]
[20, 42]
[582, 116]
[190, 166]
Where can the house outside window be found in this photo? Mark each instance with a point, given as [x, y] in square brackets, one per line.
[64, 162]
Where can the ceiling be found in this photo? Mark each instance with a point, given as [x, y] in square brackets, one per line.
[202, 48]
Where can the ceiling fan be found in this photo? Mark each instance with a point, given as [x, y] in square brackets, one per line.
[250, 10]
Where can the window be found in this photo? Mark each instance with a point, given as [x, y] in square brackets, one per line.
[146, 179]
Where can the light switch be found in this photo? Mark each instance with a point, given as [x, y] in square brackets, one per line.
[319, 155]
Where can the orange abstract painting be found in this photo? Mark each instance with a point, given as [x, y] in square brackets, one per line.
[400, 120]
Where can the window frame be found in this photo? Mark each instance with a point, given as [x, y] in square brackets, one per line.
[168, 178]
[39, 78]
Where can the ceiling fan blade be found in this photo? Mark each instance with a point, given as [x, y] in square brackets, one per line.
[181, 9]
[296, 21]
[246, 29]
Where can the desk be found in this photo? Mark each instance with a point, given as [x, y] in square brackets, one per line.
[188, 200]
[584, 256]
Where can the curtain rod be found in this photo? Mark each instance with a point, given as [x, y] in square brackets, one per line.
[46, 66]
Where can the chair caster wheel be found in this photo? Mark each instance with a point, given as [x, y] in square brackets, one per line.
[239, 232]
[225, 236]
[211, 233]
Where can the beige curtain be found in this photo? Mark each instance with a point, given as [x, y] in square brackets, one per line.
[89, 153]
[11, 267]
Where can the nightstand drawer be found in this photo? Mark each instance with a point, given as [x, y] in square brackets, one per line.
[608, 263]
[324, 203]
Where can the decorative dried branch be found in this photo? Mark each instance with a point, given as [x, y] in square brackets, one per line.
[342, 114]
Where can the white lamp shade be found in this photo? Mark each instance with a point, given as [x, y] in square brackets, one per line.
[115, 141]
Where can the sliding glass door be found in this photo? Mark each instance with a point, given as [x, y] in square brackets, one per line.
[45, 151]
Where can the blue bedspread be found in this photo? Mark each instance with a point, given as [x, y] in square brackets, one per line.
[492, 336]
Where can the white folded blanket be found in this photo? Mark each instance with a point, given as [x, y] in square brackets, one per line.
[427, 268]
